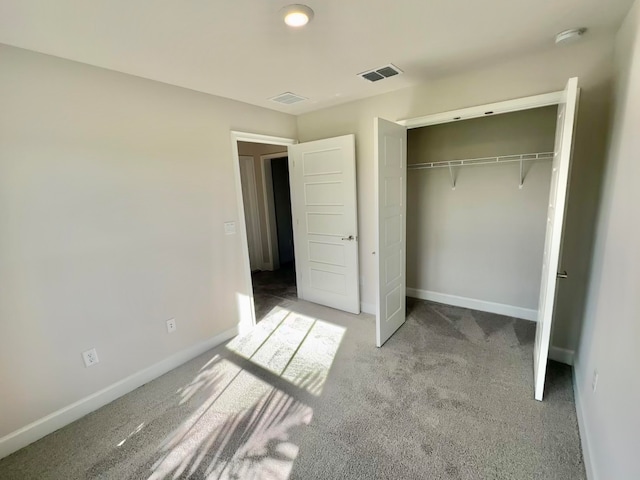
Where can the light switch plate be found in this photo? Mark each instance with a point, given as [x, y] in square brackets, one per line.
[229, 228]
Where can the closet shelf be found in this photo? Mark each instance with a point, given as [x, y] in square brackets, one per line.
[483, 161]
[523, 157]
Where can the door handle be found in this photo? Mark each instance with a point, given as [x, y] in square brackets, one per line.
[563, 274]
[350, 238]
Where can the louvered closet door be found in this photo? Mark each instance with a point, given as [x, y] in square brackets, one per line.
[323, 187]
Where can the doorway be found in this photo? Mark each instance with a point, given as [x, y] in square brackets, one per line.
[322, 198]
[266, 194]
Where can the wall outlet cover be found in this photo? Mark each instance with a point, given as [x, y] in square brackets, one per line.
[171, 325]
[90, 357]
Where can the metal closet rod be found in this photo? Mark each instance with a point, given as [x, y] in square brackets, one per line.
[522, 157]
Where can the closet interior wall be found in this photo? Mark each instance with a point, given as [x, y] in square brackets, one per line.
[483, 240]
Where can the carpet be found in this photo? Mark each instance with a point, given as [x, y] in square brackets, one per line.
[307, 395]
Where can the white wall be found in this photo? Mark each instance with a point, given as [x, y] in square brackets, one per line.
[485, 239]
[590, 59]
[113, 194]
[610, 342]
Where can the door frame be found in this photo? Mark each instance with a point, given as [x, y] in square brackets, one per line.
[273, 262]
[487, 109]
[246, 307]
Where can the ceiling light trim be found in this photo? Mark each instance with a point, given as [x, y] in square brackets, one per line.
[571, 34]
[297, 15]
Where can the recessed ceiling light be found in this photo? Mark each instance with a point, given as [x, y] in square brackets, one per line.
[297, 15]
[569, 35]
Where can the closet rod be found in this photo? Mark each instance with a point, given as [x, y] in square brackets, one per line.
[483, 160]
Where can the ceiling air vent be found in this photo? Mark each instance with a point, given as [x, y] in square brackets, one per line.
[288, 98]
[380, 73]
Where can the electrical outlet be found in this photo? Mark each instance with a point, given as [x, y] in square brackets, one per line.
[90, 357]
[594, 382]
[171, 325]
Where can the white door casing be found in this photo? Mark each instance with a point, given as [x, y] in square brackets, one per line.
[324, 208]
[251, 215]
[567, 110]
[390, 157]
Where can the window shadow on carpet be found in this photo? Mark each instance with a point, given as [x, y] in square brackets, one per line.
[234, 419]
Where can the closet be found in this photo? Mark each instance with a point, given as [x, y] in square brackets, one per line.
[470, 208]
[477, 193]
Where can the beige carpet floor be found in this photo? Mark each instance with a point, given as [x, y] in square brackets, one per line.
[307, 395]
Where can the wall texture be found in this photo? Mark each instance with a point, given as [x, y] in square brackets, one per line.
[610, 342]
[113, 195]
[485, 239]
[590, 59]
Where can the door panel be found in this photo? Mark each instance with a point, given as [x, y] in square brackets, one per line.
[390, 155]
[323, 188]
[553, 238]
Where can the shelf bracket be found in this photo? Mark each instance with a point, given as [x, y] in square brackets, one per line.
[521, 173]
[453, 178]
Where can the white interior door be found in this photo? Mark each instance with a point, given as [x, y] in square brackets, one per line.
[250, 203]
[390, 154]
[325, 217]
[553, 241]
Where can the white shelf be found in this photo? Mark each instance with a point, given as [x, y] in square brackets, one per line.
[450, 164]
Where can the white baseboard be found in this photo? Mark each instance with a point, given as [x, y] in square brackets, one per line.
[474, 304]
[368, 308]
[589, 465]
[58, 419]
[561, 355]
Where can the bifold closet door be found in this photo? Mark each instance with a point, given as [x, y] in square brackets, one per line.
[390, 158]
[567, 110]
[325, 222]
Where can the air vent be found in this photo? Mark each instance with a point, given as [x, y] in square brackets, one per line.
[288, 98]
[380, 73]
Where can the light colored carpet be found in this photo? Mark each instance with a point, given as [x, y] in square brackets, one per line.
[308, 396]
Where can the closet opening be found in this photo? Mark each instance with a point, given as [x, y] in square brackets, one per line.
[461, 219]
[477, 198]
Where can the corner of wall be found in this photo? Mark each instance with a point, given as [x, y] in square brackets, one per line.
[583, 430]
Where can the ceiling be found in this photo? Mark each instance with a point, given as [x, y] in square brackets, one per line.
[241, 49]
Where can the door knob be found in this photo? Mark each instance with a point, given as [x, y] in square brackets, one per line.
[563, 274]
[350, 238]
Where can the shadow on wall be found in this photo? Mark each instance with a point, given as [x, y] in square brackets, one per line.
[241, 407]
